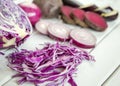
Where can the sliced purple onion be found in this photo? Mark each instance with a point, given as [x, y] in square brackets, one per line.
[42, 27]
[83, 38]
[59, 32]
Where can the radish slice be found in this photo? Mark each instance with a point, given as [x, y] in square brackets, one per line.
[59, 32]
[42, 26]
[95, 21]
[83, 38]
[66, 12]
[79, 16]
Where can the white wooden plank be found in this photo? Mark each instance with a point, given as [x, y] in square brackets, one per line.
[107, 55]
[5, 71]
[114, 79]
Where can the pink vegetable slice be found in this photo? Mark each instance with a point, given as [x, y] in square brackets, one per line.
[59, 32]
[95, 21]
[66, 14]
[79, 16]
[42, 26]
[83, 38]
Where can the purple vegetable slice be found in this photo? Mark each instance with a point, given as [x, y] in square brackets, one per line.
[66, 14]
[14, 24]
[95, 21]
[79, 17]
[59, 32]
[83, 38]
[42, 26]
[53, 65]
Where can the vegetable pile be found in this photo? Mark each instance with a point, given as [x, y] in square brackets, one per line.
[14, 24]
[53, 65]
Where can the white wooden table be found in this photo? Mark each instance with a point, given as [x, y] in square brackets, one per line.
[104, 72]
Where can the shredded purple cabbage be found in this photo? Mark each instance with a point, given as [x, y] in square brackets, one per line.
[53, 65]
[1, 53]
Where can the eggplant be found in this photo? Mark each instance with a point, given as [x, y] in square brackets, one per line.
[71, 3]
[89, 7]
[108, 13]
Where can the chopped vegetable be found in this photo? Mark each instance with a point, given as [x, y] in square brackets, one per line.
[53, 65]
[95, 21]
[83, 38]
[14, 24]
[42, 26]
[79, 17]
[33, 12]
[66, 14]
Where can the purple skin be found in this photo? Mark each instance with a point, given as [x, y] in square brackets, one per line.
[105, 10]
[71, 3]
[1, 53]
[57, 38]
[21, 41]
[1, 45]
[82, 45]
[90, 8]
[1, 41]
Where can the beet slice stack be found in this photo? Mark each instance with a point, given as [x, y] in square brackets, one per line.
[83, 38]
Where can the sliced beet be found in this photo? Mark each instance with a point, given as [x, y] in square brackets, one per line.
[79, 16]
[66, 14]
[83, 38]
[42, 26]
[95, 21]
[59, 32]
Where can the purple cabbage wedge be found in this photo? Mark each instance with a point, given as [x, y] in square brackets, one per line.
[14, 24]
[53, 65]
